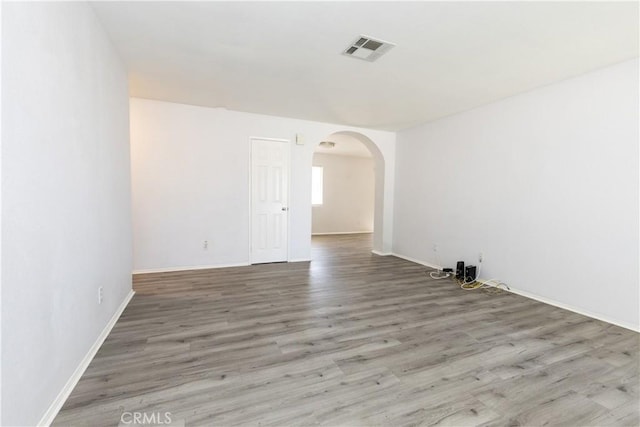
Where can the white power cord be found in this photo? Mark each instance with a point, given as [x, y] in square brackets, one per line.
[438, 275]
[495, 283]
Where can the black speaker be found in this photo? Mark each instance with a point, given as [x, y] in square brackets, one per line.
[460, 270]
[470, 274]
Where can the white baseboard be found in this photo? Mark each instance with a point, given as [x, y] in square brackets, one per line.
[623, 324]
[341, 232]
[381, 253]
[417, 261]
[54, 408]
[204, 267]
[197, 267]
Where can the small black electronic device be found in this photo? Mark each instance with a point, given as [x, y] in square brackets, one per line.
[460, 270]
[470, 274]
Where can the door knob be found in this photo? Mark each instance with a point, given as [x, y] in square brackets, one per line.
[285, 209]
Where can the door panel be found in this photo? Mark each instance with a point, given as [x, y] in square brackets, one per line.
[269, 201]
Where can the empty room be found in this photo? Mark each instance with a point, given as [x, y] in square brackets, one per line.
[320, 213]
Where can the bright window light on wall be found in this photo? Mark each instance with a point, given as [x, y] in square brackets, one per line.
[316, 185]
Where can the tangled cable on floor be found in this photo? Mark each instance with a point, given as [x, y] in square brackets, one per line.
[439, 274]
[491, 286]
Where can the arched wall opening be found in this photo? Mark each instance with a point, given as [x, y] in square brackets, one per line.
[379, 184]
[343, 187]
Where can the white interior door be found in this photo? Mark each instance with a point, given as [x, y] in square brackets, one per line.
[269, 200]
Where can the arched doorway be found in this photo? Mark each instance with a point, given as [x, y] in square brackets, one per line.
[358, 143]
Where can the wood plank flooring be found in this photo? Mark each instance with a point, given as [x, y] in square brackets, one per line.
[352, 339]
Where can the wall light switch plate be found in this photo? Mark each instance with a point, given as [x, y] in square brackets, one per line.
[299, 139]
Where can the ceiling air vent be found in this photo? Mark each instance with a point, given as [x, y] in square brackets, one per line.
[367, 48]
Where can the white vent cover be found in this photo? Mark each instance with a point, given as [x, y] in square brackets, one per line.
[367, 48]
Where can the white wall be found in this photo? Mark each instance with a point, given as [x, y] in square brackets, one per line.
[66, 219]
[545, 184]
[190, 178]
[349, 194]
[0, 214]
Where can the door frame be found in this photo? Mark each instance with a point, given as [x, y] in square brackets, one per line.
[288, 164]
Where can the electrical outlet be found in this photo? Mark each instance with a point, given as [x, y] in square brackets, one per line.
[480, 257]
[100, 294]
[435, 248]
[205, 245]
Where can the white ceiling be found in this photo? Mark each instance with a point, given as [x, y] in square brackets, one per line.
[284, 58]
[345, 146]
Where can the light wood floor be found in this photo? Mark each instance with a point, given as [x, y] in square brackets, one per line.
[352, 339]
